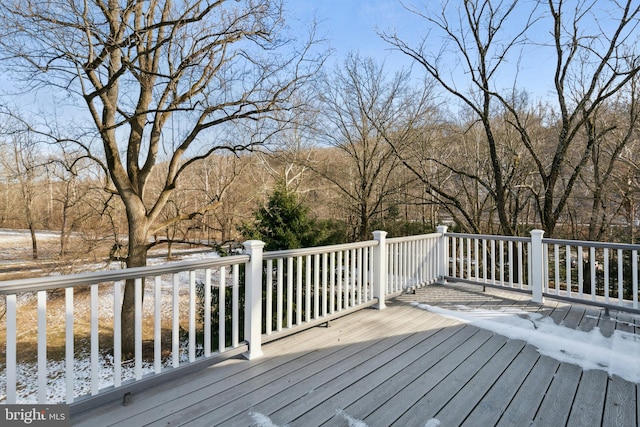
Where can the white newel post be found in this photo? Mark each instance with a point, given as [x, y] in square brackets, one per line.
[253, 298]
[443, 254]
[380, 268]
[537, 267]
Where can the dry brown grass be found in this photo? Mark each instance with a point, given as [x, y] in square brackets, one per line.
[27, 328]
[15, 252]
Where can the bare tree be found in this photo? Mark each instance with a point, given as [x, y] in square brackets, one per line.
[451, 160]
[219, 69]
[612, 129]
[591, 68]
[361, 108]
[626, 184]
[71, 188]
[473, 44]
[24, 165]
[223, 179]
[288, 162]
[592, 46]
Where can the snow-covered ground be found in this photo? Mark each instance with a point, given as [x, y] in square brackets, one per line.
[617, 354]
[15, 246]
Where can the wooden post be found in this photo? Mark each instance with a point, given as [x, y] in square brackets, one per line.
[443, 254]
[380, 268]
[253, 299]
[537, 266]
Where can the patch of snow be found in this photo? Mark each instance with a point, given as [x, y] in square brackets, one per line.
[26, 372]
[27, 381]
[262, 420]
[622, 322]
[433, 422]
[352, 421]
[15, 245]
[617, 355]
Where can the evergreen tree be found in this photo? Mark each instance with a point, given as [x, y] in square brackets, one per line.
[283, 223]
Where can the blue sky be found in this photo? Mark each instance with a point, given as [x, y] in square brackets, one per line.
[351, 25]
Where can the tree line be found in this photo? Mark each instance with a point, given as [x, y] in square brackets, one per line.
[178, 117]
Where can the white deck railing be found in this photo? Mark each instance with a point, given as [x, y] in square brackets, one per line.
[603, 274]
[309, 284]
[490, 260]
[79, 327]
[199, 312]
[62, 335]
[600, 273]
[412, 262]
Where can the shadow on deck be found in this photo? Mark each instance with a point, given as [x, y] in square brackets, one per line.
[400, 366]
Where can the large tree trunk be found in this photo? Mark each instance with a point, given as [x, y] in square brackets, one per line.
[137, 257]
[34, 242]
[363, 230]
[64, 233]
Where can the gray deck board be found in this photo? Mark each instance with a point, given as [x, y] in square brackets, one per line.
[621, 404]
[457, 409]
[560, 311]
[573, 317]
[494, 403]
[556, 405]
[340, 393]
[301, 406]
[435, 399]
[377, 380]
[365, 405]
[322, 383]
[588, 405]
[406, 398]
[400, 366]
[524, 406]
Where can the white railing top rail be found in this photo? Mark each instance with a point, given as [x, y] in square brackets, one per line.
[550, 241]
[413, 238]
[490, 237]
[592, 244]
[91, 278]
[318, 250]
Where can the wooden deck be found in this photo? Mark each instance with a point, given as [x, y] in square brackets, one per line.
[400, 366]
